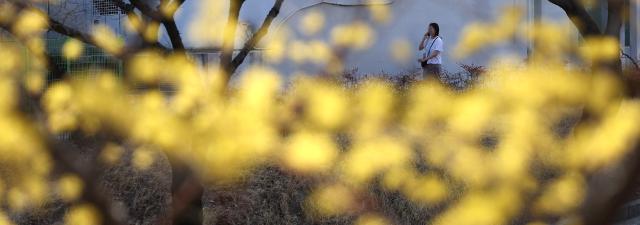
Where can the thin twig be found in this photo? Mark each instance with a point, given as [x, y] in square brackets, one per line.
[633, 61]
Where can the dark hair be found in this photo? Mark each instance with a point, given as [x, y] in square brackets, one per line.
[436, 27]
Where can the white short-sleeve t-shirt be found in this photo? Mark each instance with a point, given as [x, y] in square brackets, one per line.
[431, 45]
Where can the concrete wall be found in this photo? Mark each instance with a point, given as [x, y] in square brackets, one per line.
[635, 28]
[408, 23]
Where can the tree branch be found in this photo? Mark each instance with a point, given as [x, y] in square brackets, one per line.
[615, 11]
[630, 58]
[88, 39]
[63, 156]
[70, 32]
[147, 10]
[611, 189]
[174, 34]
[56, 72]
[172, 30]
[257, 36]
[57, 26]
[168, 21]
[126, 7]
[229, 37]
[579, 17]
[94, 191]
[131, 15]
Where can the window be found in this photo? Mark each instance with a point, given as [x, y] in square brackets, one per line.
[105, 7]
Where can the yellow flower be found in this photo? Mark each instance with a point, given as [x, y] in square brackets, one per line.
[4, 219]
[474, 208]
[600, 49]
[471, 114]
[401, 51]
[562, 195]
[369, 158]
[396, 178]
[30, 22]
[34, 82]
[133, 23]
[327, 104]
[310, 153]
[142, 158]
[82, 215]
[380, 12]
[478, 35]
[72, 49]
[151, 32]
[332, 200]
[107, 39]
[70, 187]
[111, 154]
[427, 189]
[168, 8]
[312, 22]
[146, 67]
[357, 35]
[258, 89]
[371, 219]
[17, 199]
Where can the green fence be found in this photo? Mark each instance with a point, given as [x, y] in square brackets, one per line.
[93, 60]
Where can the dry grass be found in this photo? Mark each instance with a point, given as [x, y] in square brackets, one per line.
[143, 196]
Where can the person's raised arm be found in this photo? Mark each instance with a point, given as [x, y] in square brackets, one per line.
[424, 38]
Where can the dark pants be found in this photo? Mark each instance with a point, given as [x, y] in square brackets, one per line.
[431, 70]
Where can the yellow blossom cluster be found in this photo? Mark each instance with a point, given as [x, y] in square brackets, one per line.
[428, 143]
[223, 136]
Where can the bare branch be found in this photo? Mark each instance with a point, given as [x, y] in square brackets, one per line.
[630, 58]
[64, 158]
[168, 21]
[172, 30]
[579, 16]
[147, 10]
[615, 15]
[88, 39]
[132, 16]
[257, 36]
[94, 191]
[128, 8]
[57, 26]
[228, 42]
[70, 32]
[610, 189]
[174, 34]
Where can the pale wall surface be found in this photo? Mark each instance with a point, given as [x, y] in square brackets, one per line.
[408, 23]
[409, 19]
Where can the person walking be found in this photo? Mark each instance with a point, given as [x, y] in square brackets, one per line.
[431, 48]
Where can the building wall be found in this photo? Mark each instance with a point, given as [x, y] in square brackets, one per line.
[409, 21]
[635, 29]
[84, 14]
